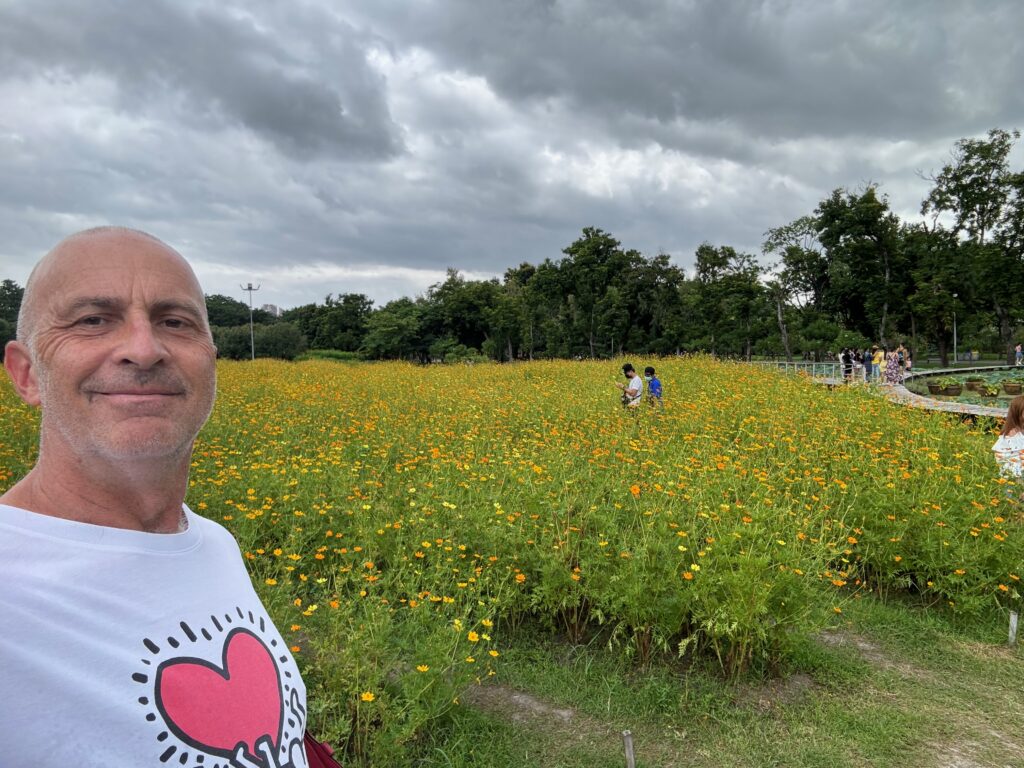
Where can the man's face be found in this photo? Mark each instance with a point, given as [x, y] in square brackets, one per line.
[122, 358]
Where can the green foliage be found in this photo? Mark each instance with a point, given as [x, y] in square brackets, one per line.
[226, 312]
[10, 302]
[329, 354]
[280, 340]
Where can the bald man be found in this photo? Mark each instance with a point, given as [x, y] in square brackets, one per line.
[132, 635]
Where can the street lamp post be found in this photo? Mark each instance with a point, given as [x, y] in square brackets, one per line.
[252, 335]
[954, 330]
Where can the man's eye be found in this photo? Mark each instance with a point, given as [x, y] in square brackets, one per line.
[92, 320]
[175, 322]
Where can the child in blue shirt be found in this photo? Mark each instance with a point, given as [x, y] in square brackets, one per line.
[653, 386]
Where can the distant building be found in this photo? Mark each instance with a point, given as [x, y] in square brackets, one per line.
[273, 309]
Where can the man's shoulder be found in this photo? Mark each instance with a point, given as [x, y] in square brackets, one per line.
[210, 529]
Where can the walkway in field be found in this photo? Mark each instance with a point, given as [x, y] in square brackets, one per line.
[903, 396]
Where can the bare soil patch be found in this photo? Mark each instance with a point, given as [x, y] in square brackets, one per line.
[871, 652]
[518, 706]
[779, 692]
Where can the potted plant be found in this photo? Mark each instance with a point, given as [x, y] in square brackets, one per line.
[935, 387]
[974, 382]
[951, 386]
[988, 390]
[1013, 386]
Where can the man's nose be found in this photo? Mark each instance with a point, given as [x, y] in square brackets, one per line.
[141, 344]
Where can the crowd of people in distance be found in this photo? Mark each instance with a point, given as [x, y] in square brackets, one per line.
[875, 364]
[633, 388]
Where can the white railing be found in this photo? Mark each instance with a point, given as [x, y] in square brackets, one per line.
[831, 369]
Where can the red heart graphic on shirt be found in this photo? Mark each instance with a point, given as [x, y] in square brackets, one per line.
[217, 708]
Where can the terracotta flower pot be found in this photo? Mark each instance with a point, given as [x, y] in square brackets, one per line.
[1012, 388]
[974, 386]
[935, 389]
[952, 391]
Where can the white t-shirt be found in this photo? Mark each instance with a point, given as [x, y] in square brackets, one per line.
[634, 390]
[123, 648]
[1010, 455]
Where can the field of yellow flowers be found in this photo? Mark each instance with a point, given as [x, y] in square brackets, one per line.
[396, 518]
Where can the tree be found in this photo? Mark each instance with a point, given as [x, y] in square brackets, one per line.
[341, 324]
[592, 263]
[11, 295]
[867, 274]
[226, 312]
[395, 331]
[940, 280]
[731, 298]
[983, 197]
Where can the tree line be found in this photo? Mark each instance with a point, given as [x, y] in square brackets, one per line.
[848, 274]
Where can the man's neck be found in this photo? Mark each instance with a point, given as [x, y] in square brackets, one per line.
[132, 495]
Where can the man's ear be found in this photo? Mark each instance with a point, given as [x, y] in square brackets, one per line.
[18, 363]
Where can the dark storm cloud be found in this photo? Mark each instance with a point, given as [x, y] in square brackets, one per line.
[775, 68]
[322, 147]
[308, 92]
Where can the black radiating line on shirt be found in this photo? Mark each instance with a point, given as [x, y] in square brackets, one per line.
[162, 736]
[228, 619]
[216, 623]
[263, 626]
[138, 677]
[168, 753]
[184, 758]
[172, 642]
[188, 631]
[153, 647]
[251, 619]
[206, 634]
[239, 609]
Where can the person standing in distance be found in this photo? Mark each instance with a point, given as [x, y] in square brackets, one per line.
[132, 633]
[633, 389]
[653, 386]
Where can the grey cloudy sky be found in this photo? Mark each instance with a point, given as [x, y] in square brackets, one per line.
[320, 147]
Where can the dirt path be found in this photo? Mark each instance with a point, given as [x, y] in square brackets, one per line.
[968, 734]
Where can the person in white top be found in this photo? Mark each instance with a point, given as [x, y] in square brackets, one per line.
[633, 389]
[132, 633]
[1009, 448]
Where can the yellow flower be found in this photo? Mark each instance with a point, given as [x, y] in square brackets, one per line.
[270, 582]
[367, 696]
[422, 668]
[494, 653]
[472, 637]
